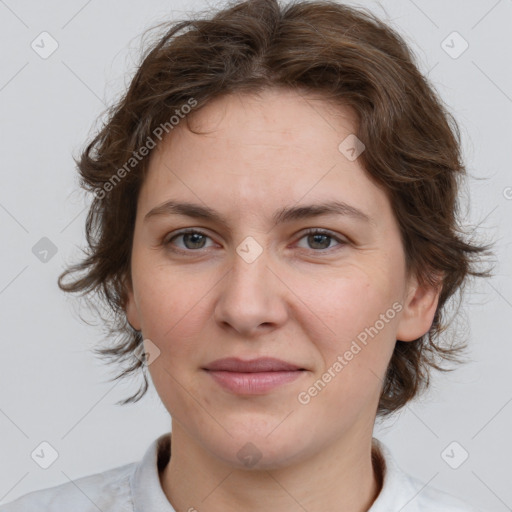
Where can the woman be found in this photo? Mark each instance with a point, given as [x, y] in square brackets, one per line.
[274, 223]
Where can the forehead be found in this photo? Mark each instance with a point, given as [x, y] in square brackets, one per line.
[297, 115]
[254, 153]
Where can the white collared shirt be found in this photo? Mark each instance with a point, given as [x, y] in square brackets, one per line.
[135, 487]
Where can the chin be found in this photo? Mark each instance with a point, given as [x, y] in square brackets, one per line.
[252, 449]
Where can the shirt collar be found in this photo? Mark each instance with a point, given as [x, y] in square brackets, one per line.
[397, 490]
[145, 483]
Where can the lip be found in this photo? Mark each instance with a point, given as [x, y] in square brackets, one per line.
[261, 364]
[253, 377]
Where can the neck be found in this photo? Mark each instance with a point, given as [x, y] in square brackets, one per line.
[345, 476]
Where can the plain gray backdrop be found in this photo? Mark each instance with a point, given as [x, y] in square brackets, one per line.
[54, 390]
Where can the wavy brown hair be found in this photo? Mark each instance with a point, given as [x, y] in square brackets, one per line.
[344, 55]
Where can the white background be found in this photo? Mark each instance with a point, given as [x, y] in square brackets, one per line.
[52, 388]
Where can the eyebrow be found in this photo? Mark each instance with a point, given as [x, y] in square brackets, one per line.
[286, 214]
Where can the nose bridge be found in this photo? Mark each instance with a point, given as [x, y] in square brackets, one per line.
[249, 296]
[249, 271]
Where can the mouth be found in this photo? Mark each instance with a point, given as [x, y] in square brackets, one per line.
[253, 377]
[262, 364]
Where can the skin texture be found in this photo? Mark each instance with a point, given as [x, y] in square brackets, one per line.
[304, 299]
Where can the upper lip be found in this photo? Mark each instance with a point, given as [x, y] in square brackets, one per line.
[262, 364]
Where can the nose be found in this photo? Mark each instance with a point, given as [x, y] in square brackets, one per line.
[251, 297]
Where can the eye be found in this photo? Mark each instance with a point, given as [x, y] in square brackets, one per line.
[320, 239]
[192, 240]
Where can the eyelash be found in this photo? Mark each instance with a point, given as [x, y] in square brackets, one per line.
[310, 231]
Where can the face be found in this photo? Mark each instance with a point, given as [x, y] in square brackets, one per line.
[270, 274]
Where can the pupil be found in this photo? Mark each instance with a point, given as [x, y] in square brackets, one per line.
[326, 237]
[195, 235]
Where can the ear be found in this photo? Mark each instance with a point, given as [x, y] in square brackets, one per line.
[419, 309]
[131, 309]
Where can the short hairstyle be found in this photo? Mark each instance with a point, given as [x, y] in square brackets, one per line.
[346, 56]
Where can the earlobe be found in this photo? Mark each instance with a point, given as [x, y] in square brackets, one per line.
[418, 311]
[131, 311]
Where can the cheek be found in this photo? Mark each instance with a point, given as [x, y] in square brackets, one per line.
[355, 320]
[172, 305]
[349, 301]
[165, 292]
[174, 311]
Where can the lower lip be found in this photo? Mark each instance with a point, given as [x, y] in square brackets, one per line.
[253, 383]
